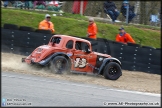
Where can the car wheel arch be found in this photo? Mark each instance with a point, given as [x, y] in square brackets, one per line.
[105, 62]
[112, 71]
[49, 58]
[61, 54]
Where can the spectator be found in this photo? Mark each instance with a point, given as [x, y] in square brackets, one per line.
[39, 2]
[23, 3]
[92, 29]
[26, 4]
[124, 37]
[131, 13]
[19, 3]
[111, 9]
[47, 24]
[5, 3]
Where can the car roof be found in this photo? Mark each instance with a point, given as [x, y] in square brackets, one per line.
[73, 38]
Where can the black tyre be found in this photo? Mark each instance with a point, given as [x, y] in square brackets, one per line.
[158, 48]
[112, 71]
[149, 47]
[60, 65]
[11, 26]
[43, 31]
[133, 44]
[25, 28]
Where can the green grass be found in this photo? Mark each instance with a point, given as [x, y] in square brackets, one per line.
[76, 25]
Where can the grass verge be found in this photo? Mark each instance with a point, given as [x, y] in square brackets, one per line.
[76, 25]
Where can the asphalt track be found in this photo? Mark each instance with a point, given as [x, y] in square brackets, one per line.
[30, 90]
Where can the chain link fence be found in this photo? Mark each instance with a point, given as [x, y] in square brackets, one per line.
[147, 12]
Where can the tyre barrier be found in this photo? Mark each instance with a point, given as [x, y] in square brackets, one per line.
[133, 44]
[103, 47]
[94, 44]
[24, 38]
[156, 69]
[133, 57]
[11, 26]
[148, 47]
[116, 49]
[17, 50]
[128, 65]
[158, 48]
[43, 31]
[25, 28]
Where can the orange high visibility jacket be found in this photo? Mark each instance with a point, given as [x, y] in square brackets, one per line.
[46, 25]
[92, 30]
[125, 38]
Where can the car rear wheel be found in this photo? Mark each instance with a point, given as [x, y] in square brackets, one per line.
[112, 71]
[59, 65]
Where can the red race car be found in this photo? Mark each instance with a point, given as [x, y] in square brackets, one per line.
[71, 54]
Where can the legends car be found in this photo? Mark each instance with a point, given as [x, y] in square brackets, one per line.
[72, 54]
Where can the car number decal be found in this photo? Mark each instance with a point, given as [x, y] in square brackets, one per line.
[80, 62]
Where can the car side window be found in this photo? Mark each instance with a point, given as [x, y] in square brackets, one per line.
[69, 44]
[85, 46]
[56, 40]
[81, 45]
[78, 45]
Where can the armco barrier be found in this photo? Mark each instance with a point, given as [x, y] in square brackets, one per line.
[132, 57]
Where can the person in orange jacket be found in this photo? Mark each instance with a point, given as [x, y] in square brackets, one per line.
[124, 37]
[92, 29]
[47, 24]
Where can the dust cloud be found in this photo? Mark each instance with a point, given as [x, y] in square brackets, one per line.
[130, 80]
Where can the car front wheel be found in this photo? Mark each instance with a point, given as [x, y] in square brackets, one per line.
[112, 71]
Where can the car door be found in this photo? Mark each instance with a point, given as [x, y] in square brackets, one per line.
[80, 57]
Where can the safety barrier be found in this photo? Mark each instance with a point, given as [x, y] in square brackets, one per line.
[23, 40]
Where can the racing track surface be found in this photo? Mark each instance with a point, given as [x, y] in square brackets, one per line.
[44, 91]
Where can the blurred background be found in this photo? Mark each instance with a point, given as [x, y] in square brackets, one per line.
[147, 12]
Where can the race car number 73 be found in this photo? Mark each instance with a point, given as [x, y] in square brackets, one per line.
[80, 62]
